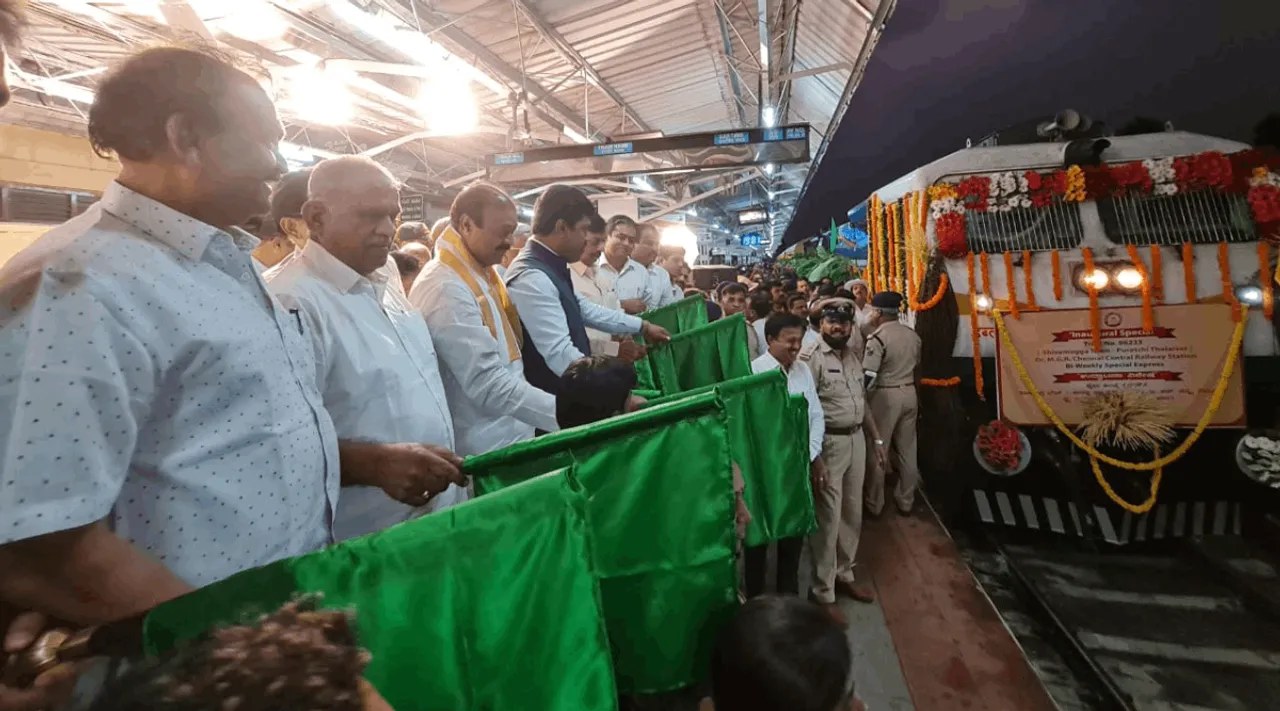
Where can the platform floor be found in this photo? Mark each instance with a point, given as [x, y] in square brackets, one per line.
[932, 641]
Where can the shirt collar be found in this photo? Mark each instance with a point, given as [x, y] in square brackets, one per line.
[583, 270]
[183, 233]
[775, 364]
[330, 269]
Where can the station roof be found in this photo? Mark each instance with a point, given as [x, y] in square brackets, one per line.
[948, 71]
[539, 72]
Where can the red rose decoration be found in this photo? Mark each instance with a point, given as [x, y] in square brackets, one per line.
[1057, 182]
[1034, 181]
[974, 192]
[1130, 178]
[949, 229]
[1000, 444]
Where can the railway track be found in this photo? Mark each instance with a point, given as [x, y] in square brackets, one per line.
[1189, 625]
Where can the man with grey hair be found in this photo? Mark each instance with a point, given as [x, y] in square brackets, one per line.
[376, 363]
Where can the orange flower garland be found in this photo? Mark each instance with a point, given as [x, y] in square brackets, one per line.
[1011, 285]
[892, 271]
[1264, 268]
[1189, 271]
[1224, 271]
[940, 382]
[1148, 315]
[1026, 278]
[973, 328]
[873, 260]
[986, 278]
[895, 210]
[1157, 272]
[1095, 325]
[933, 301]
[1057, 275]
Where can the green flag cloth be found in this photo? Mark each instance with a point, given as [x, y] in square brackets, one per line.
[684, 315]
[771, 451]
[492, 604]
[834, 240]
[661, 508]
[704, 356]
[646, 394]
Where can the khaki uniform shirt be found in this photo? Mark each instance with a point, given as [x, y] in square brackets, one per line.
[893, 353]
[838, 378]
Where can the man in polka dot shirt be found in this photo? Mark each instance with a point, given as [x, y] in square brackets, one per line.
[160, 424]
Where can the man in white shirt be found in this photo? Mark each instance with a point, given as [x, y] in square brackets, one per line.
[475, 327]
[759, 307]
[376, 363]
[619, 273]
[160, 425]
[583, 273]
[556, 318]
[283, 230]
[671, 261]
[784, 334]
[646, 253]
[798, 305]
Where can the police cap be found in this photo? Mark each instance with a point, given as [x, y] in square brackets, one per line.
[837, 309]
[887, 301]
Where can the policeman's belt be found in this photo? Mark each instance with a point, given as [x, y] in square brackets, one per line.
[890, 387]
[843, 430]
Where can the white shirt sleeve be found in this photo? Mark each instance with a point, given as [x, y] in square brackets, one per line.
[817, 425]
[75, 388]
[538, 302]
[475, 358]
[600, 318]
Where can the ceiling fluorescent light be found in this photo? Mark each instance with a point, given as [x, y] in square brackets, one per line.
[574, 136]
[643, 183]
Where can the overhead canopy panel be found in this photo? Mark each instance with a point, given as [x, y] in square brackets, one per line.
[689, 152]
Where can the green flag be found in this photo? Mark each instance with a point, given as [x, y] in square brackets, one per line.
[771, 451]
[684, 315]
[703, 356]
[835, 236]
[661, 508]
[491, 604]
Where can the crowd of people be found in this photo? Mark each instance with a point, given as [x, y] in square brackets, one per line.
[205, 374]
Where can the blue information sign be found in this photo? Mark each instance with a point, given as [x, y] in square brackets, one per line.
[751, 239]
[732, 139]
[614, 149]
[797, 133]
[508, 159]
[774, 134]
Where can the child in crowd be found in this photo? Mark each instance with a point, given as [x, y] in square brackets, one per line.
[782, 654]
[295, 658]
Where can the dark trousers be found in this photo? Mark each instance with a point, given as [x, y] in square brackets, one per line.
[788, 567]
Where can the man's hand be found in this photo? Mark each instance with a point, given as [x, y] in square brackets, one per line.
[882, 455]
[654, 333]
[630, 351]
[410, 473]
[50, 689]
[634, 306]
[818, 475]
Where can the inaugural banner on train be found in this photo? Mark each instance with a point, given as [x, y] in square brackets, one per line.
[1179, 362]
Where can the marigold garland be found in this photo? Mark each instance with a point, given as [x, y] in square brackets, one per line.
[941, 382]
[1148, 314]
[986, 277]
[973, 329]
[1224, 272]
[1026, 278]
[872, 263]
[1189, 271]
[1264, 268]
[1215, 402]
[1095, 325]
[1011, 284]
[1157, 273]
[1075, 185]
[1057, 274]
[892, 246]
[934, 300]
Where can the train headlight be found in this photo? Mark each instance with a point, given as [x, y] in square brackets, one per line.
[1250, 295]
[1096, 279]
[1129, 279]
[984, 302]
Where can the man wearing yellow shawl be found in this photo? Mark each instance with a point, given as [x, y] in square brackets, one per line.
[475, 327]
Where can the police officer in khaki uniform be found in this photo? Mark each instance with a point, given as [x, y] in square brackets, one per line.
[837, 374]
[891, 361]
